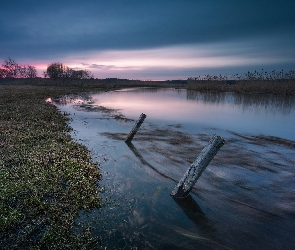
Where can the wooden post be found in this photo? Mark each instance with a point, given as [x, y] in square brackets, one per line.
[135, 128]
[191, 176]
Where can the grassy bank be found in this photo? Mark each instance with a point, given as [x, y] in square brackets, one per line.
[45, 177]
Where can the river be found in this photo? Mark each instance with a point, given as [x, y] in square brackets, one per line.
[245, 199]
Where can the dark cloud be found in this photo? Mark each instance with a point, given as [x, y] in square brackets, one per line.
[50, 29]
[104, 67]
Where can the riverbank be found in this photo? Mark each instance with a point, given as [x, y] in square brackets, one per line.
[45, 177]
[276, 87]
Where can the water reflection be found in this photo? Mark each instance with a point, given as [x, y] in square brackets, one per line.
[72, 99]
[194, 212]
[267, 103]
[143, 161]
[250, 179]
[202, 111]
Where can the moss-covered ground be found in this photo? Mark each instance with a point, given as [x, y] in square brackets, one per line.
[45, 177]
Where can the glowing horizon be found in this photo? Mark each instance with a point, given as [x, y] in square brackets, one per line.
[117, 40]
[147, 63]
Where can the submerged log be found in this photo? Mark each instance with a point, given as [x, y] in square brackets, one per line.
[191, 176]
[135, 128]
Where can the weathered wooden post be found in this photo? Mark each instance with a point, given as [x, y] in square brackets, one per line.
[135, 128]
[191, 176]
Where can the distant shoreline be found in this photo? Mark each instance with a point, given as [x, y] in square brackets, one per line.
[276, 87]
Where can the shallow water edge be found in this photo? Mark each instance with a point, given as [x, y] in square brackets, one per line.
[244, 199]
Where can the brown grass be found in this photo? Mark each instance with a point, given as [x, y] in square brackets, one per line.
[278, 87]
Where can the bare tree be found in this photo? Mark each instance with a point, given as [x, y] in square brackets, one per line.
[11, 69]
[3, 73]
[31, 72]
[58, 70]
[81, 74]
[55, 70]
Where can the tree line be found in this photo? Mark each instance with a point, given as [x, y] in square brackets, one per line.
[11, 69]
[58, 70]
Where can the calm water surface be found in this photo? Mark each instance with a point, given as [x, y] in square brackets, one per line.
[255, 114]
[245, 199]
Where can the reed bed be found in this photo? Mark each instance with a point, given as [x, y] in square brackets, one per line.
[262, 82]
[278, 87]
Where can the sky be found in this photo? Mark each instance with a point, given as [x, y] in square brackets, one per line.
[150, 39]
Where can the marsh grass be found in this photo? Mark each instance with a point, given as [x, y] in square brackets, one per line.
[276, 87]
[45, 177]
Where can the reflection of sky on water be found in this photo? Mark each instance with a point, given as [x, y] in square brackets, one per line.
[244, 199]
[195, 111]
